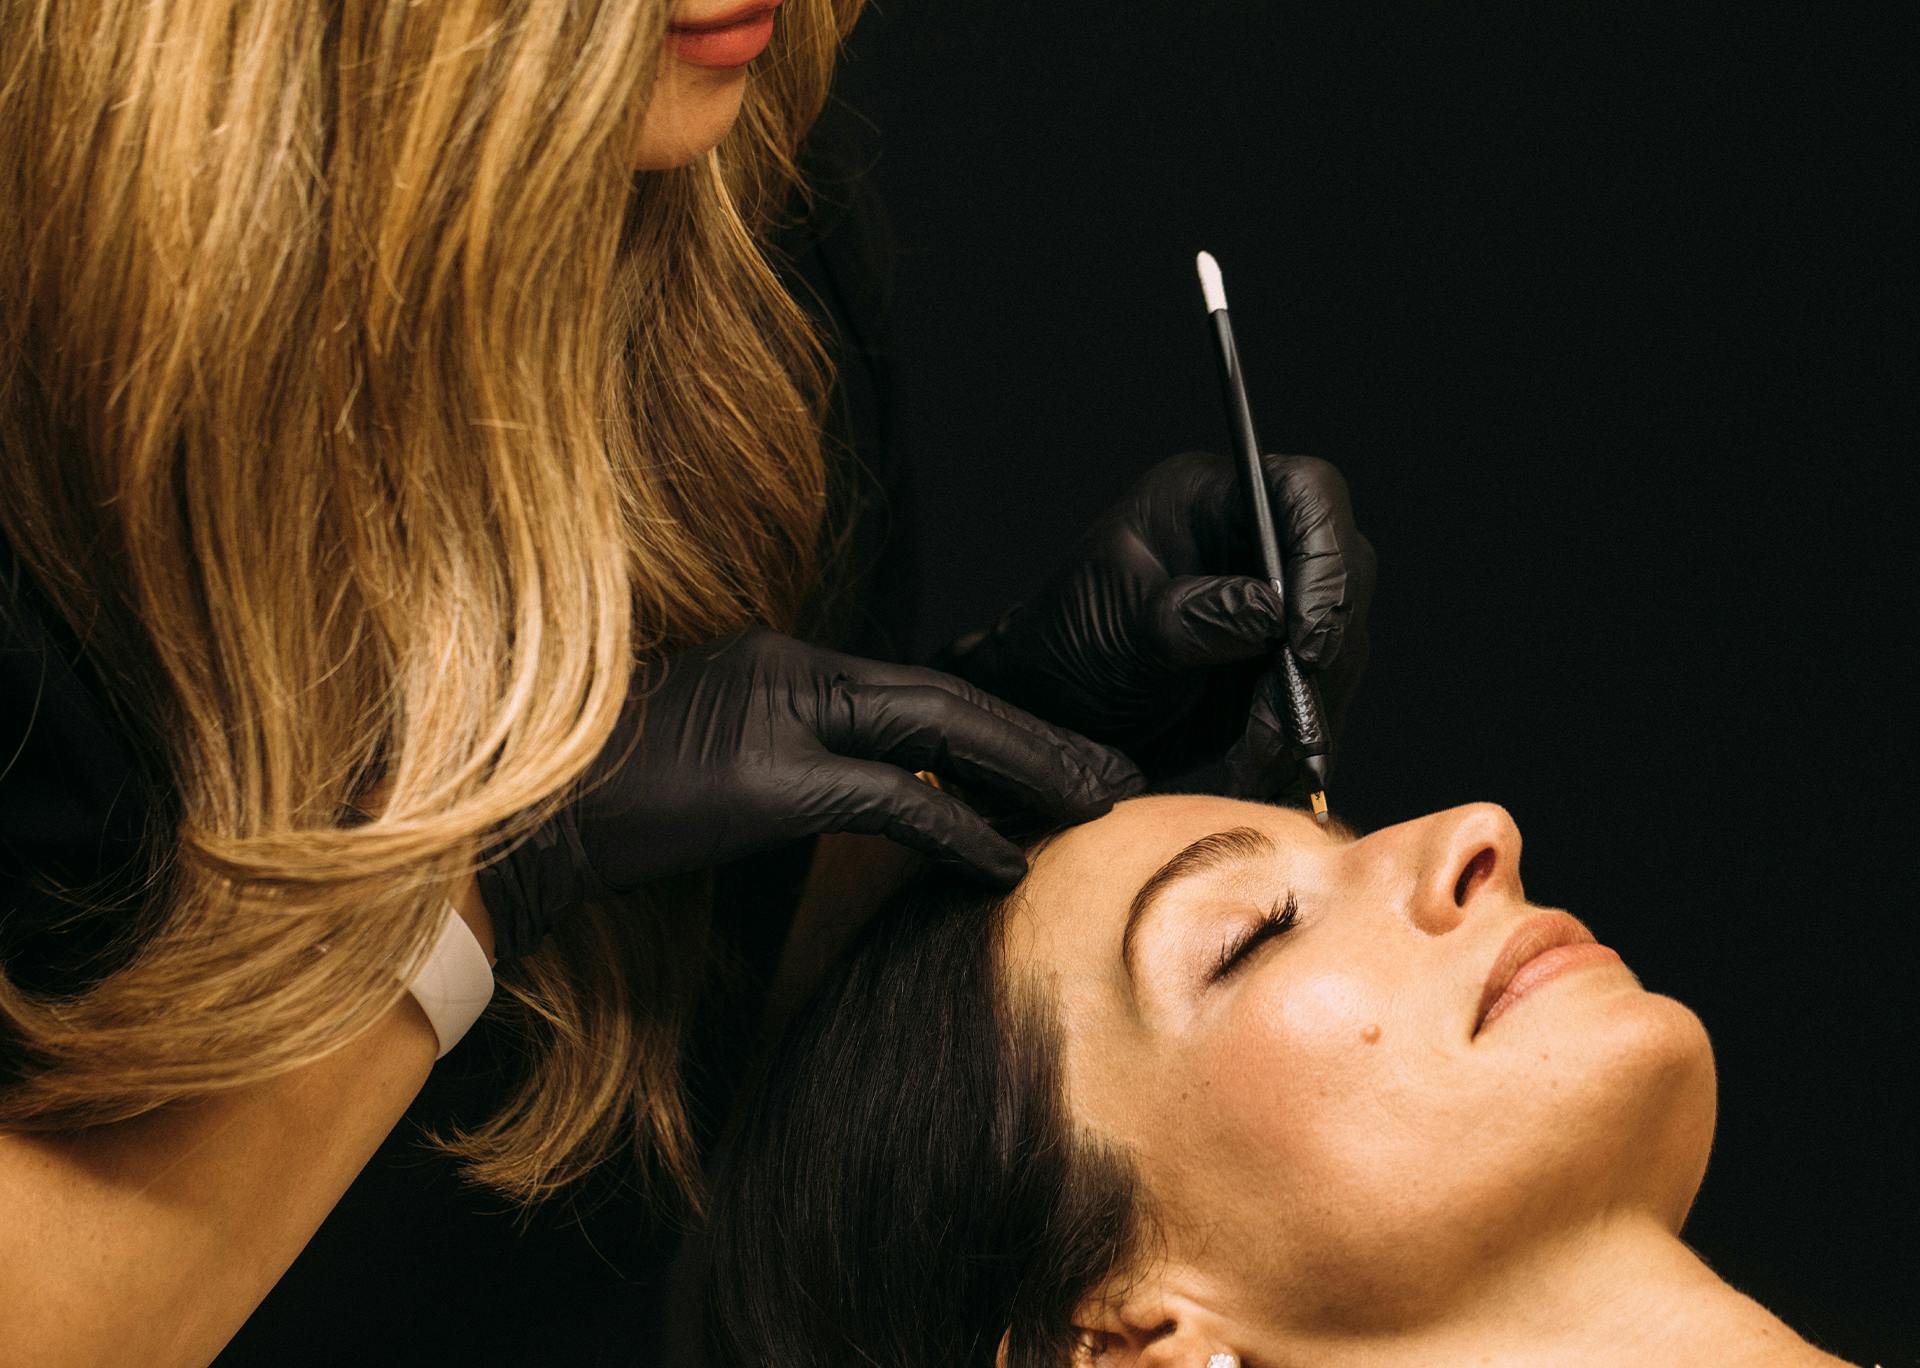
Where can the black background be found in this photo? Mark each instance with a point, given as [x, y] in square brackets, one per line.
[1596, 307]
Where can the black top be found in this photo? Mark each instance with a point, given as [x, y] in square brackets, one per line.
[73, 809]
[410, 1267]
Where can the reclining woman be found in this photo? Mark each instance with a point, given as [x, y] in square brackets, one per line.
[1215, 1080]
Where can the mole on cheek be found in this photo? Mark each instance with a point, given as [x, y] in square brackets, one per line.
[1371, 1034]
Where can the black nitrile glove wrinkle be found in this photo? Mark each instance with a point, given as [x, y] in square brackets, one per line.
[737, 747]
[1156, 638]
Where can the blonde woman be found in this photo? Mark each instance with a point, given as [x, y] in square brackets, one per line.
[408, 462]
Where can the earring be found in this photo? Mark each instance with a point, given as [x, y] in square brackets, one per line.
[1223, 1361]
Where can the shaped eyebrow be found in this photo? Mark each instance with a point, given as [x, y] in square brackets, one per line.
[1207, 853]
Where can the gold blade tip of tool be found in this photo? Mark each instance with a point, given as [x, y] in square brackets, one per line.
[1319, 801]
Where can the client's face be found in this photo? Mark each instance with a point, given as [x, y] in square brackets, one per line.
[1359, 1117]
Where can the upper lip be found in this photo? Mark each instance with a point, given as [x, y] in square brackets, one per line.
[1536, 935]
[741, 15]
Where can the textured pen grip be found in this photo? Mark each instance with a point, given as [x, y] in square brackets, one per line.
[1303, 708]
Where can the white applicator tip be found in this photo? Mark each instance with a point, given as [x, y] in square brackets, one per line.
[1210, 283]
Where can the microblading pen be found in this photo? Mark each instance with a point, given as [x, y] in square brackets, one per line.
[1303, 701]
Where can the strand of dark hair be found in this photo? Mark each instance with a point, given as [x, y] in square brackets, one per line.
[907, 1185]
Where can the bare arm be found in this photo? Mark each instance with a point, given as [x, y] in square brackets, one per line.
[150, 1242]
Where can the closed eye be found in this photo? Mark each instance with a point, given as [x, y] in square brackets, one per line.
[1279, 920]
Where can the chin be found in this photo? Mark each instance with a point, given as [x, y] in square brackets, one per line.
[680, 130]
[1596, 1104]
[1629, 1101]
[1679, 1105]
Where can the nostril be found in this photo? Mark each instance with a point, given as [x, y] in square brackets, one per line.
[1480, 867]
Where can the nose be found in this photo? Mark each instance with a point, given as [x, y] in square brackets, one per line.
[1463, 856]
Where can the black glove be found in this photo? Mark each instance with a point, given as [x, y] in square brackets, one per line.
[729, 749]
[1155, 639]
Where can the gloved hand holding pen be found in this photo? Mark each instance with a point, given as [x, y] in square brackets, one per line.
[1155, 638]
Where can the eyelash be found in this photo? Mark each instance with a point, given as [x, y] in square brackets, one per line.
[1279, 920]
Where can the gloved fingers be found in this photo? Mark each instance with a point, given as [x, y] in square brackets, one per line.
[1191, 512]
[1339, 680]
[923, 726]
[1329, 565]
[1101, 775]
[1197, 621]
[1261, 763]
[880, 799]
[1264, 762]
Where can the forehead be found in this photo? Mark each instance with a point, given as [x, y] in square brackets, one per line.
[1074, 899]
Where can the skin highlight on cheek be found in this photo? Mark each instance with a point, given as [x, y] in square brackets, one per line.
[1320, 1011]
[1289, 1053]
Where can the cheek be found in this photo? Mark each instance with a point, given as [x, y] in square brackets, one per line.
[1310, 1151]
[1309, 1031]
[1302, 1067]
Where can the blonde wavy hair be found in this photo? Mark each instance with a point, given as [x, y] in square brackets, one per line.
[368, 418]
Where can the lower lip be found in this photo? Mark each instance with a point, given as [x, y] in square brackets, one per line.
[1544, 968]
[732, 46]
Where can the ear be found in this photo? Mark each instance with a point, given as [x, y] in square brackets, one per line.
[1150, 1325]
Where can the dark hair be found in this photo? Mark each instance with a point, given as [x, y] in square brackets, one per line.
[908, 1183]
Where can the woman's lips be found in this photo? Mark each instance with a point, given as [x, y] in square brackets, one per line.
[730, 40]
[1542, 947]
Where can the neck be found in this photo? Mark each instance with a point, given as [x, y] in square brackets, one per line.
[1629, 1293]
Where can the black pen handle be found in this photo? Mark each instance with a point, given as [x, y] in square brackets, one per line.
[1246, 446]
[1306, 721]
